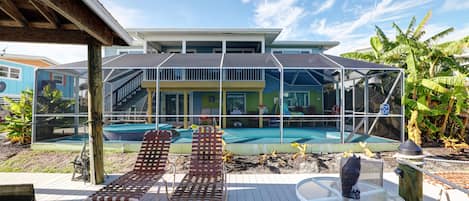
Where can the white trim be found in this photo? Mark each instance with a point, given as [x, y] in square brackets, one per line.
[58, 75]
[243, 94]
[308, 93]
[300, 50]
[100, 11]
[127, 50]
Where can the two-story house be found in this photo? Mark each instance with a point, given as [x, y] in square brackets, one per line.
[195, 91]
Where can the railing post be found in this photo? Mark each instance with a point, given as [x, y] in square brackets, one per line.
[410, 179]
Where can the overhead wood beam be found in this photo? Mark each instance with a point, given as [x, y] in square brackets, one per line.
[11, 10]
[43, 35]
[47, 13]
[80, 15]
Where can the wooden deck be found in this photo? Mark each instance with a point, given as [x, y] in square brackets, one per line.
[241, 187]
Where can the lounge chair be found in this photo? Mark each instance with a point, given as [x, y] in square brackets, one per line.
[149, 168]
[206, 179]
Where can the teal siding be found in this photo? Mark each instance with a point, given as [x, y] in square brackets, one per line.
[26, 81]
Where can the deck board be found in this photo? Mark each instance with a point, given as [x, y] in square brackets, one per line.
[241, 187]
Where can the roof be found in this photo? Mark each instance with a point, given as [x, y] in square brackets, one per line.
[69, 22]
[306, 44]
[269, 33]
[233, 60]
[36, 61]
[104, 14]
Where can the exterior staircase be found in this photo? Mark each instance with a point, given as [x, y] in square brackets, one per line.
[128, 93]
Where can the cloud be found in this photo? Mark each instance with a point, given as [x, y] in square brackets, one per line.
[126, 16]
[245, 1]
[325, 6]
[284, 14]
[451, 5]
[345, 32]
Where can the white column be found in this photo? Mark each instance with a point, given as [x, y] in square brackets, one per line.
[145, 46]
[280, 98]
[223, 46]
[366, 105]
[77, 103]
[263, 46]
[183, 48]
[342, 106]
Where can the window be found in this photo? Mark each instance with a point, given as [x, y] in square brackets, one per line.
[15, 73]
[4, 71]
[10, 72]
[296, 98]
[236, 104]
[58, 79]
[129, 51]
[291, 51]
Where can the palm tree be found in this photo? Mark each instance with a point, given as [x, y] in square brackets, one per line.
[435, 81]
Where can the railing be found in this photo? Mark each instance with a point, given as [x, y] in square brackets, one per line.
[205, 74]
[126, 89]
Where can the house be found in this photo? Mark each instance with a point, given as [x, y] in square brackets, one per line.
[246, 78]
[17, 73]
[203, 101]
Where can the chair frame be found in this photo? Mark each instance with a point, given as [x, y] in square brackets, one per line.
[206, 179]
[149, 168]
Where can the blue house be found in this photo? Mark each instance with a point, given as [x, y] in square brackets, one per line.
[17, 74]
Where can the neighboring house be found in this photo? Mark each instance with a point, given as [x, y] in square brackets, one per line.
[17, 74]
[302, 93]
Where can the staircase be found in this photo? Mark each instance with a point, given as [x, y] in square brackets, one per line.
[128, 93]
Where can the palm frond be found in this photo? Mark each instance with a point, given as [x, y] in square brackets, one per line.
[410, 28]
[419, 30]
[380, 33]
[398, 29]
[439, 35]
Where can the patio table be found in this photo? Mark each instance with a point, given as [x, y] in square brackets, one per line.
[329, 189]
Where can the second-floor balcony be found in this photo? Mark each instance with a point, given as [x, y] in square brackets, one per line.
[205, 74]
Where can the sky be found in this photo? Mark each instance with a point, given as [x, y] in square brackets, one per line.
[351, 22]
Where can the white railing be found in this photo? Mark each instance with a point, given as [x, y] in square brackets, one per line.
[205, 74]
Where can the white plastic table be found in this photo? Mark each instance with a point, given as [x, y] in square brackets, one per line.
[328, 189]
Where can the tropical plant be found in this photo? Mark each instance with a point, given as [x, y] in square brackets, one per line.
[301, 150]
[435, 92]
[18, 121]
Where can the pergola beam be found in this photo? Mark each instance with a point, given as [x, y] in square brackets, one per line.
[11, 10]
[77, 13]
[43, 35]
[47, 13]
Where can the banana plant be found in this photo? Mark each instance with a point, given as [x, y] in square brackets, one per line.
[435, 80]
[18, 121]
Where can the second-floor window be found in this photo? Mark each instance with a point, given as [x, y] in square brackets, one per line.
[58, 78]
[10, 72]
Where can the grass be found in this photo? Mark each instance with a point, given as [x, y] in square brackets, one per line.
[60, 162]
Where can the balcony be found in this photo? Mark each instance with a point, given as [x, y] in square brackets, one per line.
[205, 74]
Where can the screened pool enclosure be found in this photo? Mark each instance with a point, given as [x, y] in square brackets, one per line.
[253, 98]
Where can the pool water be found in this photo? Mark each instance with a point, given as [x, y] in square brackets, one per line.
[262, 136]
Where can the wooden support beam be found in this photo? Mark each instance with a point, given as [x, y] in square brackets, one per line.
[410, 183]
[43, 35]
[79, 14]
[95, 112]
[47, 13]
[149, 105]
[11, 10]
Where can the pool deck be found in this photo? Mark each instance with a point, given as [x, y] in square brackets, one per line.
[249, 187]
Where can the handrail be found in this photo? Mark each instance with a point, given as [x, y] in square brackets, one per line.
[126, 88]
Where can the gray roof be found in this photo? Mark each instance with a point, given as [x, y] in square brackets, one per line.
[249, 60]
[233, 60]
[193, 60]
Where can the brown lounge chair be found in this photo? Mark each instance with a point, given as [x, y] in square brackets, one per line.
[149, 168]
[206, 179]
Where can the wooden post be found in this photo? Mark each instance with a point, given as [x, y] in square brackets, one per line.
[261, 122]
[186, 109]
[95, 112]
[224, 108]
[149, 105]
[410, 183]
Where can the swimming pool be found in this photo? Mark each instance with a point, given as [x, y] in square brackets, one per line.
[259, 136]
[130, 132]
